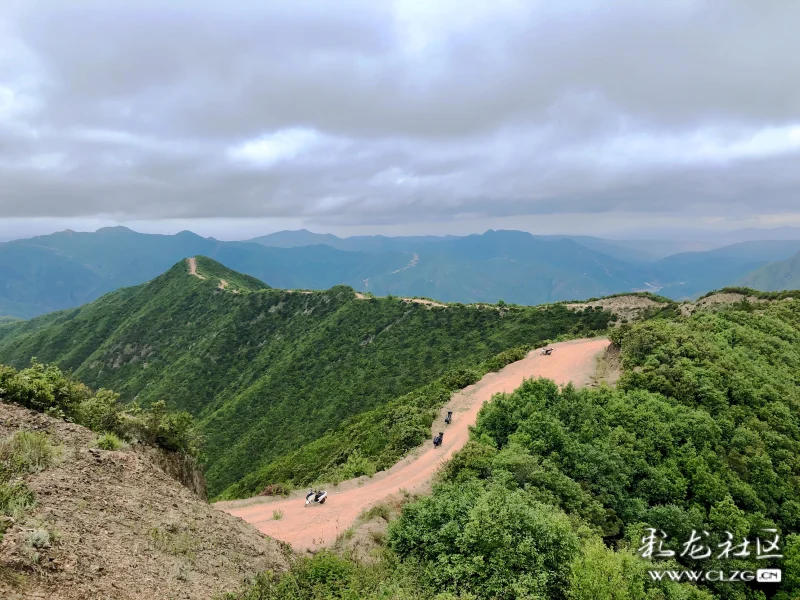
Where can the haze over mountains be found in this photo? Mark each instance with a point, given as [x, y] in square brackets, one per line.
[67, 269]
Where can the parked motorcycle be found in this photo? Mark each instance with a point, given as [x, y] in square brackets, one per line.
[316, 497]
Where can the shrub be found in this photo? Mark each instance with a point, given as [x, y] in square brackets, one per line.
[277, 515]
[109, 441]
[15, 499]
[100, 412]
[39, 538]
[27, 452]
[46, 388]
[276, 489]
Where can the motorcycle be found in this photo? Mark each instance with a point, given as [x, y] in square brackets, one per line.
[316, 497]
[437, 441]
[547, 351]
[449, 418]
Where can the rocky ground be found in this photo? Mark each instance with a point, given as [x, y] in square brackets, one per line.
[628, 308]
[112, 524]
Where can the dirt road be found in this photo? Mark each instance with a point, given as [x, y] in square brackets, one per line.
[192, 262]
[314, 526]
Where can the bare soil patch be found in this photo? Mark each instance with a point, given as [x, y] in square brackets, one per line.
[627, 308]
[192, 262]
[716, 299]
[122, 528]
[608, 368]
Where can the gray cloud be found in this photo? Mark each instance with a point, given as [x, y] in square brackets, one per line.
[365, 113]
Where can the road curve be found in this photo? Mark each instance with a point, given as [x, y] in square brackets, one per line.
[314, 526]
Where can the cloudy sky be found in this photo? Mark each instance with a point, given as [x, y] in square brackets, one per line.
[243, 117]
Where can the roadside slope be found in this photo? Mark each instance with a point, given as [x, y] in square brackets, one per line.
[112, 524]
[306, 528]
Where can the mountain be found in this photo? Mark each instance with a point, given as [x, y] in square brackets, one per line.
[267, 370]
[689, 274]
[67, 269]
[358, 243]
[511, 265]
[775, 276]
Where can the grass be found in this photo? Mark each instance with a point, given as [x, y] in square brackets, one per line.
[382, 510]
[175, 540]
[22, 453]
[277, 515]
[109, 441]
[27, 452]
[15, 500]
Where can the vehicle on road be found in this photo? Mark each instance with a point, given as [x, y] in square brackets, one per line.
[437, 441]
[316, 497]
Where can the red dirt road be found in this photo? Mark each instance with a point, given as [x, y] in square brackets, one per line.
[314, 526]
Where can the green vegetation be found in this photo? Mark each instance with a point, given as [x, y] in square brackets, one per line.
[27, 452]
[780, 275]
[109, 441]
[268, 373]
[555, 490]
[22, 453]
[45, 388]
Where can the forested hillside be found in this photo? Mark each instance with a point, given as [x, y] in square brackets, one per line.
[552, 496]
[776, 276]
[266, 371]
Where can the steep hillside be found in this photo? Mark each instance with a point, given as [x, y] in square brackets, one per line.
[94, 523]
[265, 370]
[558, 491]
[775, 276]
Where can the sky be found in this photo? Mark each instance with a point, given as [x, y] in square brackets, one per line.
[244, 117]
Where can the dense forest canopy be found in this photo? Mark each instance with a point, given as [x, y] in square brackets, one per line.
[556, 490]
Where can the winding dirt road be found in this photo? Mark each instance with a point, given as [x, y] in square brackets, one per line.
[314, 526]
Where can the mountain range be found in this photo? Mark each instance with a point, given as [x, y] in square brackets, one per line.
[267, 370]
[66, 269]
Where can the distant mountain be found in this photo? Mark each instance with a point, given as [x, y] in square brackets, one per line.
[763, 233]
[776, 276]
[358, 243]
[67, 269]
[267, 370]
[692, 273]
